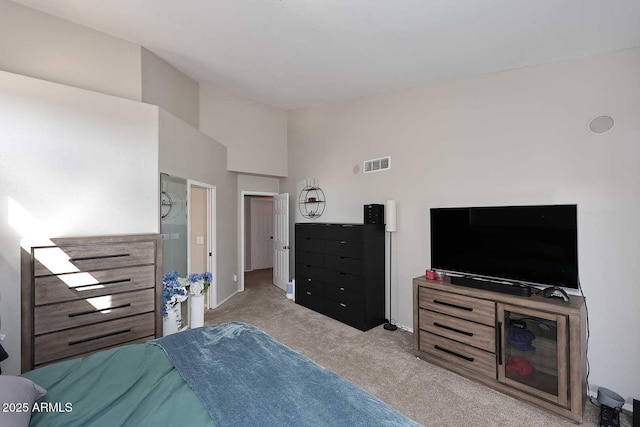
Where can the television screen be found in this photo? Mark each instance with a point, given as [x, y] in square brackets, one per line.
[528, 244]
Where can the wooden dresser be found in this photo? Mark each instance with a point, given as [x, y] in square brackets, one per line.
[340, 271]
[81, 295]
[529, 347]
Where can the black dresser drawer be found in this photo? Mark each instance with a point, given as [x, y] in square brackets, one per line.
[309, 244]
[344, 248]
[343, 295]
[310, 230]
[310, 271]
[310, 258]
[351, 314]
[342, 280]
[344, 265]
[310, 300]
[347, 232]
[310, 287]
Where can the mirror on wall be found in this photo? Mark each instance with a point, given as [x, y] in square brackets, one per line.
[173, 223]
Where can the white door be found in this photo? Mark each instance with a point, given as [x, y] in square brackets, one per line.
[281, 240]
[261, 233]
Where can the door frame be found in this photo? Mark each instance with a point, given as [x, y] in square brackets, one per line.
[212, 266]
[241, 241]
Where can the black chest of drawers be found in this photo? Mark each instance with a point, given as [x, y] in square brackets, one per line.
[340, 271]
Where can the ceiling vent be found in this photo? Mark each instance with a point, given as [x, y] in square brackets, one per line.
[377, 165]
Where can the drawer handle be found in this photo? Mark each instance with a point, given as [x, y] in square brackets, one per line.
[308, 293]
[88, 258]
[82, 313]
[439, 325]
[308, 280]
[499, 342]
[453, 353]
[343, 274]
[343, 305]
[342, 289]
[342, 242]
[343, 257]
[93, 285]
[97, 337]
[448, 304]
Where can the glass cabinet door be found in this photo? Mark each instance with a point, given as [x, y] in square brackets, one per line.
[533, 352]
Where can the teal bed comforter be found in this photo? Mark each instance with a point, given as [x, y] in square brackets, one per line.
[231, 374]
[135, 385]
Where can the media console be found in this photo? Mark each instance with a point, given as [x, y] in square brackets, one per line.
[531, 348]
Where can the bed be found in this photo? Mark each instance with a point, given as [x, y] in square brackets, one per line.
[231, 374]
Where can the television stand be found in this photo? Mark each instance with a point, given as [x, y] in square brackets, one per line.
[489, 285]
[531, 348]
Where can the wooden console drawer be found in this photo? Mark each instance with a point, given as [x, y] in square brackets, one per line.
[73, 286]
[74, 258]
[76, 341]
[471, 333]
[54, 317]
[463, 355]
[468, 308]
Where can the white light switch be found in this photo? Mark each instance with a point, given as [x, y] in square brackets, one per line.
[200, 240]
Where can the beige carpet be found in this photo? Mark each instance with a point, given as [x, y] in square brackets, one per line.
[381, 362]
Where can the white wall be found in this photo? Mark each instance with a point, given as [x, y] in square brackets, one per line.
[255, 134]
[515, 137]
[73, 163]
[163, 85]
[39, 45]
[187, 153]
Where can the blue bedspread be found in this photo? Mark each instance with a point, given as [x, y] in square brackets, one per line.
[245, 378]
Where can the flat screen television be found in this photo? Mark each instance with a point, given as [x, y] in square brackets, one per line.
[525, 244]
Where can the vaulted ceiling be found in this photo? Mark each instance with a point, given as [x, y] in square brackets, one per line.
[292, 53]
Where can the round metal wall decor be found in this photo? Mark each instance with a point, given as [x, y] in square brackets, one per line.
[311, 202]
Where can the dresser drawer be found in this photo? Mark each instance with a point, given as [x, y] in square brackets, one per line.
[344, 265]
[341, 294]
[347, 232]
[309, 244]
[85, 339]
[74, 258]
[350, 313]
[471, 333]
[53, 317]
[73, 286]
[310, 272]
[460, 354]
[310, 288]
[343, 280]
[310, 258]
[474, 309]
[344, 248]
[310, 300]
[310, 230]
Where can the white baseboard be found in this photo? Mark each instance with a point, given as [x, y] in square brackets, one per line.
[226, 299]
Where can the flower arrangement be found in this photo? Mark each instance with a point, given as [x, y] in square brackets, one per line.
[174, 291]
[197, 283]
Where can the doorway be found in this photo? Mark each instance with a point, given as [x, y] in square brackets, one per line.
[201, 234]
[260, 250]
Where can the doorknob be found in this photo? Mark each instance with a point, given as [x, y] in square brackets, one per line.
[286, 247]
[271, 237]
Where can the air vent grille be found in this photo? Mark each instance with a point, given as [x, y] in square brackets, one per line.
[376, 165]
